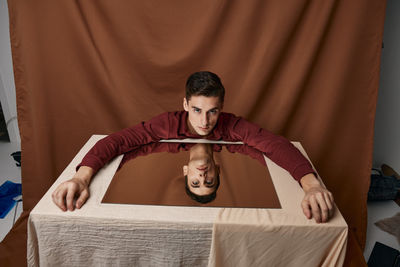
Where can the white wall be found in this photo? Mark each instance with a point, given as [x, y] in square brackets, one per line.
[7, 86]
[387, 121]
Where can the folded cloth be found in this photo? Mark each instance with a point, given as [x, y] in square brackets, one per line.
[6, 204]
[8, 191]
[383, 187]
[391, 225]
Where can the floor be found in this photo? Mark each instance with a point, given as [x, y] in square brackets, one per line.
[376, 210]
[9, 171]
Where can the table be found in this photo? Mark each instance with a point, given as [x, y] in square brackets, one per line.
[101, 234]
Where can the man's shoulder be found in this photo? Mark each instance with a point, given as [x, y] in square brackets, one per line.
[169, 115]
[230, 121]
[227, 117]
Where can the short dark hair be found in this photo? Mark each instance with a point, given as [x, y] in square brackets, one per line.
[202, 199]
[204, 83]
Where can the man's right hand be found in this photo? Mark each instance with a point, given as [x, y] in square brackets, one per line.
[75, 188]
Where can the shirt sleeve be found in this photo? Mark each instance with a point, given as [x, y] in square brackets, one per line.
[126, 140]
[247, 150]
[276, 148]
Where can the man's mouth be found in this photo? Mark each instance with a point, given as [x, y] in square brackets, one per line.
[202, 168]
[204, 128]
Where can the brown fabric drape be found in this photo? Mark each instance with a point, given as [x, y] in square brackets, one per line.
[304, 69]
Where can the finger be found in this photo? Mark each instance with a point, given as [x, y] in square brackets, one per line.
[333, 203]
[306, 209]
[323, 207]
[59, 196]
[315, 209]
[331, 197]
[70, 197]
[82, 198]
[329, 203]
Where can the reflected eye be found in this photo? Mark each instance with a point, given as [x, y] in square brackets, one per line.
[208, 182]
[195, 183]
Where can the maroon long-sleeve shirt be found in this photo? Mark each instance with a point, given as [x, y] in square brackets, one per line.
[173, 125]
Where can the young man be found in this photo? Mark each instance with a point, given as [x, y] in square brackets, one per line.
[202, 118]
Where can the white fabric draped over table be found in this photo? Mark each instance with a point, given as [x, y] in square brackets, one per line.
[102, 234]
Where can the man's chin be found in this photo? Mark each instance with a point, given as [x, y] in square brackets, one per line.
[203, 132]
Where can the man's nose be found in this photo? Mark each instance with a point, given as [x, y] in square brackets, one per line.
[203, 173]
[204, 120]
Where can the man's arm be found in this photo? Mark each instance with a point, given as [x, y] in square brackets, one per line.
[275, 147]
[101, 153]
[126, 140]
[318, 202]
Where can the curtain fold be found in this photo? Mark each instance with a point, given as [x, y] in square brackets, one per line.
[307, 70]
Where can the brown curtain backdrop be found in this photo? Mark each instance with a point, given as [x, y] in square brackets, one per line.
[307, 70]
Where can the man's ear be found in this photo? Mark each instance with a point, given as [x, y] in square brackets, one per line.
[185, 170]
[185, 104]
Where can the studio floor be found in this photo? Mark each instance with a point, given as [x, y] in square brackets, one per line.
[9, 171]
[376, 210]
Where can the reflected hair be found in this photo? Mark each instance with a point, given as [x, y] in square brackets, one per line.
[204, 83]
[201, 199]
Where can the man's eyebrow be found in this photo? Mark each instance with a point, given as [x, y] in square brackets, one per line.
[211, 109]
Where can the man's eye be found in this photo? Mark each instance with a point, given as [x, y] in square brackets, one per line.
[214, 111]
[196, 110]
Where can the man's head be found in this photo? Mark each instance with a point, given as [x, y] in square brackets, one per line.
[201, 179]
[204, 83]
[203, 101]
[201, 198]
[201, 174]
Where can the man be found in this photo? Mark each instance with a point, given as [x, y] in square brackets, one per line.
[202, 118]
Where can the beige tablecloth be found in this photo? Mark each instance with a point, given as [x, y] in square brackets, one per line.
[138, 235]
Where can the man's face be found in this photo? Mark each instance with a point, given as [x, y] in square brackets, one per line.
[203, 113]
[202, 175]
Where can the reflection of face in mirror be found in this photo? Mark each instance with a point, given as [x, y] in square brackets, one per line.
[201, 174]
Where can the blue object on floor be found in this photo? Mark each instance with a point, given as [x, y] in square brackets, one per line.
[8, 191]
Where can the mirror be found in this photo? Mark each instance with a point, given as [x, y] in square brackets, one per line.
[188, 174]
